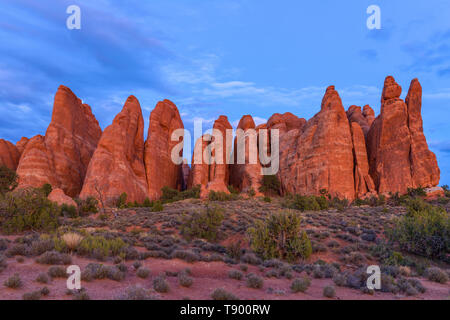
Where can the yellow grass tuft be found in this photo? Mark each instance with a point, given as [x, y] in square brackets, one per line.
[72, 240]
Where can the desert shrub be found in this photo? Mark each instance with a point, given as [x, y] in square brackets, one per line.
[34, 295]
[437, 275]
[221, 196]
[203, 224]
[251, 192]
[300, 285]
[254, 281]
[143, 272]
[160, 285]
[45, 291]
[235, 274]
[157, 206]
[72, 240]
[121, 201]
[100, 271]
[172, 195]
[13, 282]
[98, 246]
[270, 184]
[18, 249]
[42, 278]
[87, 206]
[57, 272]
[234, 250]
[222, 294]
[8, 179]
[184, 280]
[329, 292]
[81, 295]
[55, 258]
[28, 209]
[251, 258]
[137, 293]
[279, 236]
[137, 265]
[267, 199]
[306, 203]
[424, 230]
[69, 211]
[416, 192]
[185, 255]
[46, 189]
[232, 190]
[3, 263]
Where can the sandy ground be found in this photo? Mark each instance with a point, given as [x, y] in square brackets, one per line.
[207, 277]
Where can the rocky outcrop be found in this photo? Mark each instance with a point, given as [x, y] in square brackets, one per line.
[324, 153]
[245, 172]
[61, 157]
[424, 168]
[399, 157]
[369, 114]
[21, 144]
[117, 165]
[58, 196]
[212, 173]
[9, 154]
[363, 181]
[354, 114]
[160, 169]
[185, 173]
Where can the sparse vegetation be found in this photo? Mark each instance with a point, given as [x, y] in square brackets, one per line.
[300, 285]
[222, 294]
[13, 282]
[279, 236]
[8, 179]
[204, 224]
[270, 185]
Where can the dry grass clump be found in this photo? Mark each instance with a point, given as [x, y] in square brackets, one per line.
[72, 240]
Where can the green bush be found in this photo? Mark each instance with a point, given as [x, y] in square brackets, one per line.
[306, 203]
[87, 206]
[47, 189]
[221, 196]
[279, 236]
[424, 230]
[255, 282]
[300, 285]
[8, 179]
[270, 184]
[13, 282]
[417, 192]
[232, 189]
[204, 225]
[28, 209]
[99, 247]
[222, 294]
[172, 195]
[121, 202]
[69, 211]
[157, 206]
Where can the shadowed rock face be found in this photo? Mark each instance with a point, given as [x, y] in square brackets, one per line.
[160, 169]
[9, 154]
[354, 114]
[62, 156]
[399, 157]
[324, 153]
[247, 175]
[117, 165]
[212, 176]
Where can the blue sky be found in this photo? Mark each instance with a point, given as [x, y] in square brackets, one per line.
[215, 57]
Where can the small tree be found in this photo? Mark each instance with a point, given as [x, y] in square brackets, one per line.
[280, 237]
[8, 179]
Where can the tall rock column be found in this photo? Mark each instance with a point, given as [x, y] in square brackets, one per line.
[324, 157]
[389, 142]
[117, 165]
[424, 168]
[160, 169]
[61, 157]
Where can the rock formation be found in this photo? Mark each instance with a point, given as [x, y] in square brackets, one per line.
[199, 175]
[424, 168]
[9, 154]
[245, 172]
[160, 169]
[61, 157]
[399, 157]
[324, 153]
[117, 165]
[354, 114]
[185, 173]
[363, 181]
[21, 144]
[58, 196]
